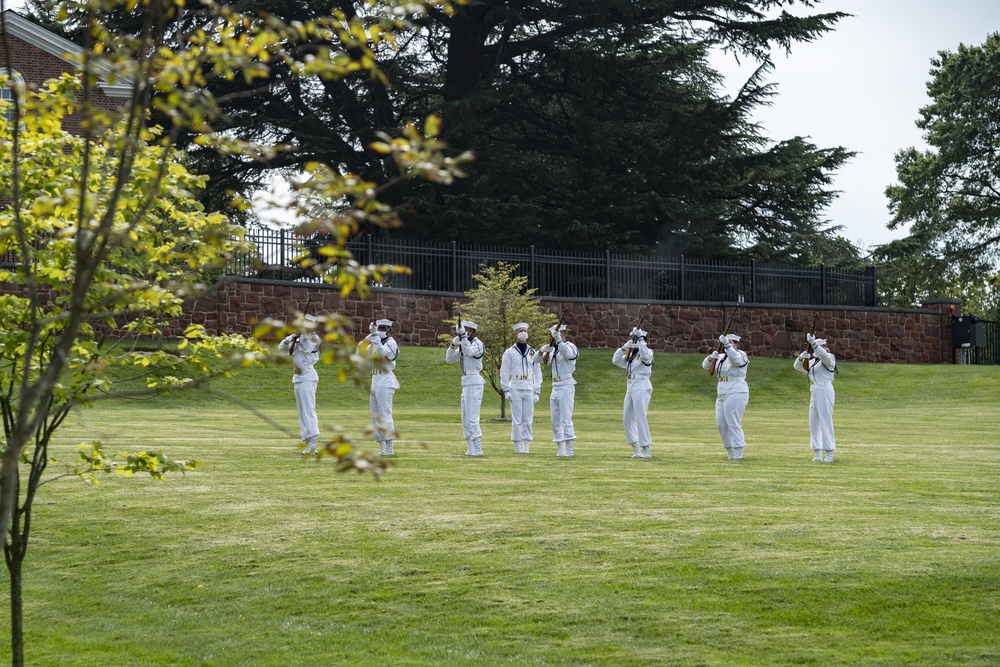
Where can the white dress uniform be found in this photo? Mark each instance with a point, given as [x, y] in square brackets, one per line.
[521, 382]
[304, 348]
[469, 355]
[384, 351]
[637, 360]
[732, 394]
[562, 361]
[821, 367]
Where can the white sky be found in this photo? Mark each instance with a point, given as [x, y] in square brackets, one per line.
[861, 87]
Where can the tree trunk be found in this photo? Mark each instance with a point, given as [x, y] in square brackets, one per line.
[16, 611]
[503, 407]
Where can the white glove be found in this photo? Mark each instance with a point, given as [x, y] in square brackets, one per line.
[715, 355]
[811, 339]
[628, 346]
[455, 341]
[554, 330]
[375, 338]
[634, 332]
[804, 356]
[460, 330]
[506, 395]
[544, 348]
[723, 339]
[372, 328]
[534, 398]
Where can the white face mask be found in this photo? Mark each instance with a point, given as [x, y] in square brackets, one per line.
[522, 337]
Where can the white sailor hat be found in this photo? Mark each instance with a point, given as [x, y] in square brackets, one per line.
[469, 324]
[820, 342]
[734, 338]
[520, 325]
[310, 318]
[562, 327]
[383, 323]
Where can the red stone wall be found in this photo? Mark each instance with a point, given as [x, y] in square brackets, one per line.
[874, 335]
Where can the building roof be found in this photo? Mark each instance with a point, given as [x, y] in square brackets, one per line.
[62, 48]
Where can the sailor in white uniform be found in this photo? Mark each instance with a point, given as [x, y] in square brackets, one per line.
[732, 393]
[560, 355]
[821, 367]
[637, 360]
[521, 382]
[467, 351]
[303, 347]
[383, 350]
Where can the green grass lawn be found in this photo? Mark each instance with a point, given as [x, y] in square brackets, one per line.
[890, 556]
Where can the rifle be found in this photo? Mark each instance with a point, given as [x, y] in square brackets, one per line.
[812, 332]
[635, 338]
[555, 339]
[711, 367]
[295, 338]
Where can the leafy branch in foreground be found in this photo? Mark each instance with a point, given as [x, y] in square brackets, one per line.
[102, 234]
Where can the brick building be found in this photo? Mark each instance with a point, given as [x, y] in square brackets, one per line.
[37, 55]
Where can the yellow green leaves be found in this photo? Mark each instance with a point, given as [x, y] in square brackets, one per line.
[419, 153]
[92, 460]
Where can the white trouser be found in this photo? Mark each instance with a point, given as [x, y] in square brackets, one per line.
[472, 401]
[729, 418]
[381, 408]
[522, 414]
[636, 424]
[821, 400]
[561, 407]
[305, 403]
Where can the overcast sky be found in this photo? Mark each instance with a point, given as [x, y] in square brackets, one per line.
[862, 86]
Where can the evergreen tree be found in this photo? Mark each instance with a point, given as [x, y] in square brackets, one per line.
[596, 125]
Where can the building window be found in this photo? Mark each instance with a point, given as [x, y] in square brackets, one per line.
[13, 82]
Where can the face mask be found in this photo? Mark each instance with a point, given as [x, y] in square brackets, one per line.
[522, 337]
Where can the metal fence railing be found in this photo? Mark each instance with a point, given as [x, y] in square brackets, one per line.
[450, 267]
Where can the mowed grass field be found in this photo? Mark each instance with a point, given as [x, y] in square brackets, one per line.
[889, 556]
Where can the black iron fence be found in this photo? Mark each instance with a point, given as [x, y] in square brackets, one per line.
[449, 267]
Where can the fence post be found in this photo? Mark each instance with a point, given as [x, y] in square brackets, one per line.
[531, 270]
[683, 290]
[607, 273]
[753, 281]
[281, 254]
[872, 287]
[371, 250]
[454, 267]
[822, 275]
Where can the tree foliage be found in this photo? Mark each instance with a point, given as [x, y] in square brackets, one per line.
[102, 237]
[948, 195]
[500, 300]
[596, 125]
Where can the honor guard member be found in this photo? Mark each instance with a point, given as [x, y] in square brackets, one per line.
[732, 394]
[303, 347]
[383, 350]
[561, 355]
[821, 367]
[521, 382]
[467, 351]
[637, 360]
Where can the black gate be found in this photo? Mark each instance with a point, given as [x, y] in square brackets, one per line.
[981, 342]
